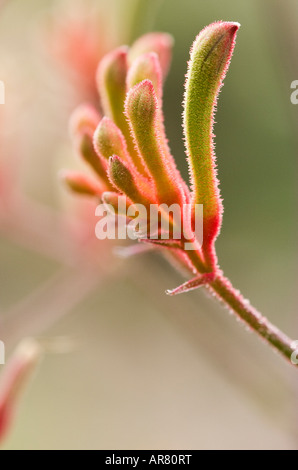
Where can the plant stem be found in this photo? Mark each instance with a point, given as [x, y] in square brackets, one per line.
[222, 288]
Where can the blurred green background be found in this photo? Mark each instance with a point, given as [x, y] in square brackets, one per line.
[148, 371]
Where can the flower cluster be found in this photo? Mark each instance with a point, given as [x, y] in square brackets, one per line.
[127, 148]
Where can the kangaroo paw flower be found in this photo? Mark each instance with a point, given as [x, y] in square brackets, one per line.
[160, 43]
[111, 81]
[132, 157]
[142, 112]
[146, 67]
[81, 184]
[83, 123]
[108, 141]
[209, 61]
[125, 179]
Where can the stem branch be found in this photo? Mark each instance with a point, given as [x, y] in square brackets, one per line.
[222, 288]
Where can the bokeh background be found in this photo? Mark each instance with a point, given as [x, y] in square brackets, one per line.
[146, 371]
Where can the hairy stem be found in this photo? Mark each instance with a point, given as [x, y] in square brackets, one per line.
[222, 288]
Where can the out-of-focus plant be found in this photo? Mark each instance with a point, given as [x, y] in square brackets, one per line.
[29, 223]
[14, 380]
[77, 37]
[77, 40]
[80, 33]
[18, 371]
[128, 150]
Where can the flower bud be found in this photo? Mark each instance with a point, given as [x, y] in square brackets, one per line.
[209, 62]
[160, 43]
[142, 110]
[146, 67]
[108, 140]
[124, 179]
[81, 184]
[111, 81]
